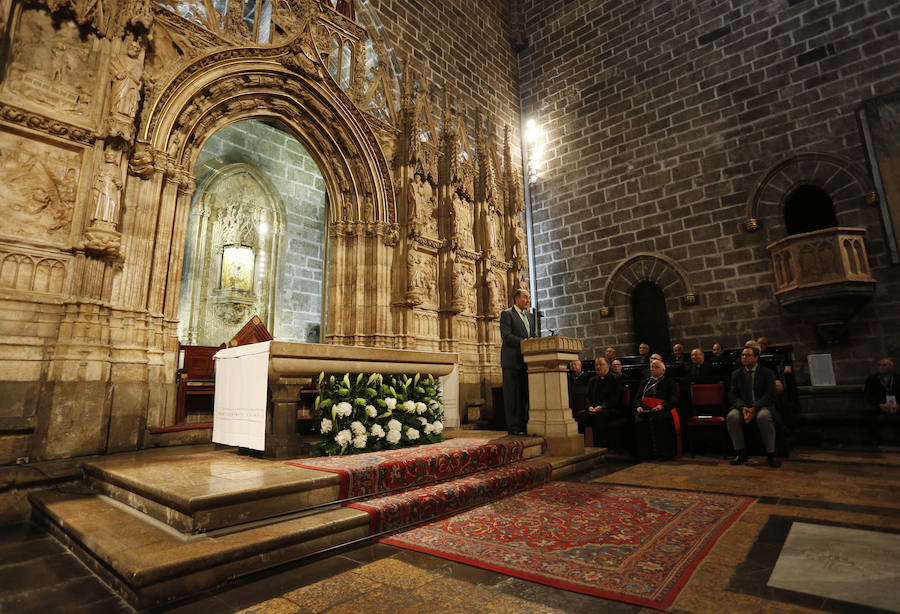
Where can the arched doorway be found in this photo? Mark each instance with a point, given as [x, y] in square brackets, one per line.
[651, 320]
[808, 208]
[256, 238]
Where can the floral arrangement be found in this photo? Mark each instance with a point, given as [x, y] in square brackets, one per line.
[374, 412]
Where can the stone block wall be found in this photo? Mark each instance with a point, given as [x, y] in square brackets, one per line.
[297, 179]
[659, 119]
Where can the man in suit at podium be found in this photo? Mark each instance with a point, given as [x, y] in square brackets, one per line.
[516, 323]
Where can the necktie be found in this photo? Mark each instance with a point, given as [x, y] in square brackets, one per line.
[525, 320]
[750, 375]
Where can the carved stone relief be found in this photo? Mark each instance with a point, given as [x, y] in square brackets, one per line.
[40, 182]
[422, 200]
[53, 67]
[496, 291]
[463, 238]
[463, 288]
[421, 279]
[126, 70]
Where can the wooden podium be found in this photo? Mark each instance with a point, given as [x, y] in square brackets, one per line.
[548, 392]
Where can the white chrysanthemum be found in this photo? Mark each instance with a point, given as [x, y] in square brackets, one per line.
[360, 441]
[438, 427]
[391, 403]
[343, 438]
[377, 430]
[429, 428]
[357, 427]
[421, 408]
[409, 406]
[424, 421]
[433, 404]
[393, 437]
[326, 426]
[343, 409]
[394, 425]
[412, 434]
[371, 411]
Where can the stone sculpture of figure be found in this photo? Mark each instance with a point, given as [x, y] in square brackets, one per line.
[368, 210]
[415, 196]
[495, 298]
[497, 233]
[462, 224]
[108, 188]
[422, 205]
[419, 278]
[461, 286]
[519, 244]
[126, 81]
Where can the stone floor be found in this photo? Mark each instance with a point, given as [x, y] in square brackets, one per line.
[817, 496]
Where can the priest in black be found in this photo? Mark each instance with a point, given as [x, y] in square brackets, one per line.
[602, 404]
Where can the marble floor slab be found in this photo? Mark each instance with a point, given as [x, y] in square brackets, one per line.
[851, 565]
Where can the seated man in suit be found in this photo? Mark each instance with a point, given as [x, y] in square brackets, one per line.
[603, 402]
[616, 367]
[752, 398]
[882, 396]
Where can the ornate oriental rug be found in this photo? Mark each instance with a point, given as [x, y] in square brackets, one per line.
[373, 473]
[632, 544]
[394, 511]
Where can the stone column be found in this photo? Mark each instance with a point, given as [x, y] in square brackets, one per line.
[548, 391]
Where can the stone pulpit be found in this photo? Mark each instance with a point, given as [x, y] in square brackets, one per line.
[549, 415]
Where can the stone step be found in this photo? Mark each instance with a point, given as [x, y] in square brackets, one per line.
[196, 489]
[149, 562]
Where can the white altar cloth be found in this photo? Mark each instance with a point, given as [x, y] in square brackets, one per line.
[239, 415]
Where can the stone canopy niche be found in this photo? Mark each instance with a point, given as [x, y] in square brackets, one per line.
[231, 266]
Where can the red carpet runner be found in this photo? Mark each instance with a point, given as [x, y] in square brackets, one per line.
[373, 473]
[435, 500]
[638, 545]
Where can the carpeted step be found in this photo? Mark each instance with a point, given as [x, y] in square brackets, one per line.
[374, 473]
[432, 501]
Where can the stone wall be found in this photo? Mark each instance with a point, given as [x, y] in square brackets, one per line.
[295, 176]
[660, 118]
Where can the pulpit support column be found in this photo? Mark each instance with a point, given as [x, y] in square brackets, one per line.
[548, 392]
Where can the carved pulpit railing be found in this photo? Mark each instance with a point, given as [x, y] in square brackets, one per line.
[823, 274]
[829, 256]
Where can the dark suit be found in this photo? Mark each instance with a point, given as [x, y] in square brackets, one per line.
[876, 392]
[515, 379]
[696, 370]
[760, 397]
[605, 393]
[656, 433]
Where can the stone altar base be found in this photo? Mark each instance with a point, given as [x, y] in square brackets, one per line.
[160, 525]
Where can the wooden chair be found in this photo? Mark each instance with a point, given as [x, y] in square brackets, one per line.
[196, 377]
[708, 421]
